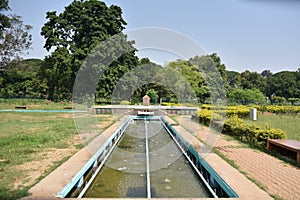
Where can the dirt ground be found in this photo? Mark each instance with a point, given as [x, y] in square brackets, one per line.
[32, 171]
[49, 159]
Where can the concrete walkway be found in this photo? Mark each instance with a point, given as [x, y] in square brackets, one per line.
[236, 180]
[278, 178]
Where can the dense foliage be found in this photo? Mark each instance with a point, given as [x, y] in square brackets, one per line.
[280, 88]
[72, 35]
[4, 19]
[84, 24]
[22, 80]
[246, 96]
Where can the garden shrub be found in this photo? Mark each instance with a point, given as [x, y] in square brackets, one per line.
[235, 126]
[262, 135]
[124, 102]
[280, 109]
[169, 104]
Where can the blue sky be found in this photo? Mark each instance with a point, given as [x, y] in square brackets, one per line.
[247, 34]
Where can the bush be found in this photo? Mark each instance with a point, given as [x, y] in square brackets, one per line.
[246, 96]
[169, 104]
[206, 116]
[250, 132]
[240, 111]
[124, 102]
[262, 135]
[280, 109]
[235, 126]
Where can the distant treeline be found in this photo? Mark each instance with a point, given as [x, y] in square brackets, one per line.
[113, 73]
[29, 79]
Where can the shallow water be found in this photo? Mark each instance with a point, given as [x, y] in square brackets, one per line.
[124, 174]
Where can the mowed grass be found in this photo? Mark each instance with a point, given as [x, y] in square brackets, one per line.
[289, 123]
[33, 104]
[26, 133]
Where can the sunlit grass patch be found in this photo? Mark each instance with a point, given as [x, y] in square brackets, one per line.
[289, 123]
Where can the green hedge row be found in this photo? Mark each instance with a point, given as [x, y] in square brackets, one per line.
[280, 109]
[237, 127]
[241, 111]
[252, 133]
[244, 111]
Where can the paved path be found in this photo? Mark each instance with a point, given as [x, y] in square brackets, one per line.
[236, 180]
[278, 178]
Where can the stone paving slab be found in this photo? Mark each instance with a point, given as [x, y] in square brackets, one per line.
[279, 178]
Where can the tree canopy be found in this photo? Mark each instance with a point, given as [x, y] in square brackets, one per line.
[15, 41]
[284, 84]
[15, 38]
[4, 19]
[87, 44]
[73, 34]
[246, 96]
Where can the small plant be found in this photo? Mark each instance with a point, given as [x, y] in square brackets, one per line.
[124, 102]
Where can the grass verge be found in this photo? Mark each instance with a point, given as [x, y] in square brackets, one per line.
[33, 104]
[289, 123]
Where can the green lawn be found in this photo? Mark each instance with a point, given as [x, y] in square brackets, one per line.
[33, 104]
[23, 136]
[289, 123]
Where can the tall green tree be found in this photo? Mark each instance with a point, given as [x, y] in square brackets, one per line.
[15, 41]
[112, 75]
[266, 73]
[76, 31]
[56, 71]
[153, 94]
[253, 80]
[193, 76]
[220, 66]
[4, 19]
[284, 84]
[213, 73]
[135, 84]
[246, 96]
[233, 80]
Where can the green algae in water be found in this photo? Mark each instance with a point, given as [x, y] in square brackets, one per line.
[124, 174]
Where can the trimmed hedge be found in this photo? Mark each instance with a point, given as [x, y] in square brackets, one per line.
[235, 126]
[206, 116]
[250, 132]
[244, 111]
[124, 102]
[280, 109]
[169, 104]
[241, 111]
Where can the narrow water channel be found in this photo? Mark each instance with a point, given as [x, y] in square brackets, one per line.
[125, 172]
